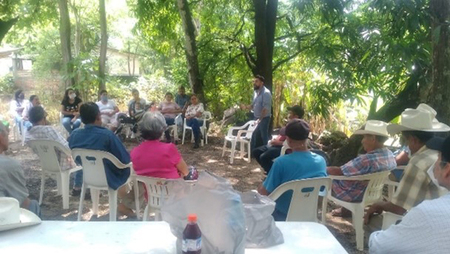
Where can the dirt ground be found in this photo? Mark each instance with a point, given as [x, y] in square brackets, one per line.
[242, 175]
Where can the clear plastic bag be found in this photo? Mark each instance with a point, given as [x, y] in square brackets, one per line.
[261, 229]
[219, 210]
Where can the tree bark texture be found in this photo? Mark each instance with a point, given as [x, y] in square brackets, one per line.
[64, 32]
[195, 79]
[265, 21]
[439, 96]
[103, 47]
[5, 26]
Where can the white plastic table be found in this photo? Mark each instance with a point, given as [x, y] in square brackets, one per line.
[145, 237]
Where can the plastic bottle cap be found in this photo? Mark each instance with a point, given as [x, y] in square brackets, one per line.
[192, 217]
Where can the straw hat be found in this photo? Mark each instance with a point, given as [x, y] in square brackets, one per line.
[12, 216]
[420, 119]
[373, 127]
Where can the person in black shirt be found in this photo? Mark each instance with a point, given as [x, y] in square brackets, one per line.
[69, 108]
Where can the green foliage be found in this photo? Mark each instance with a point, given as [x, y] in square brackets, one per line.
[7, 85]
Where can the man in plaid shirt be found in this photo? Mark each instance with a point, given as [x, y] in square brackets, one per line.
[378, 158]
[41, 130]
[417, 127]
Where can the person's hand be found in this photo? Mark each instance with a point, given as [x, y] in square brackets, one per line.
[188, 117]
[25, 118]
[257, 121]
[76, 114]
[375, 208]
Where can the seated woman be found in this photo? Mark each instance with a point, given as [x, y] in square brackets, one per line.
[136, 106]
[192, 114]
[108, 111]
[170, 110]
[69, 108]
[34, 101]
[16, 107]
[154, 158]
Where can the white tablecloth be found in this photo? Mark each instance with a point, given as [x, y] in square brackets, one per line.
[145, 237]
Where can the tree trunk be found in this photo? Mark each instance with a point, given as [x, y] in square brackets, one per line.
[265, 21]
[64, 32]
[103, 47]
[5, 26]
[195, 79]
[439, 96]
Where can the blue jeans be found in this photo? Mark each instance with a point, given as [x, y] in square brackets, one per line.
[261, 132]
[69, 126]
[195, 124]
[169, 121]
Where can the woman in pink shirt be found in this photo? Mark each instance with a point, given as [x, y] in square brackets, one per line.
[154, 158]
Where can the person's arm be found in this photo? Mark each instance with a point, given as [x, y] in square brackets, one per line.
[13, 108]
[262, 190]
[402, 158]
[334, 170]
[379, 207]
[182, 168]
[64, 112]
[273, 180]
[118, 149]
[200, 110]
[267, 104]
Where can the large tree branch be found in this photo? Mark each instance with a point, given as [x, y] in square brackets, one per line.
[249, 59]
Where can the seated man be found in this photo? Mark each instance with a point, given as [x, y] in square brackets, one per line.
[417, 127]
[265, 154]
[378, 158]
[42, 130]
[300, 164]
[94, 136]
[108, 111]
[426, 227]
[34, 101]
[12, 179]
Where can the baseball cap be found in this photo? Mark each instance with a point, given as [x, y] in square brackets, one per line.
[442, 145]
[298, 110]
[297, 129]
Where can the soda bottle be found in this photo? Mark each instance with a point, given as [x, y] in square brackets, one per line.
[192, 236]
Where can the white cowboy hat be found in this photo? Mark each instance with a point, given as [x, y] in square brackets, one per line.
[420, 119]
[373, 127]
[12, 216]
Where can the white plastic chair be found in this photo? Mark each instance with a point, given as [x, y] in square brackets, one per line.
[158, 190]
[46, 150]
[206, 116]
[304, 201]
[284, 148]
[94, 178]
[372, 194]
[243, 138]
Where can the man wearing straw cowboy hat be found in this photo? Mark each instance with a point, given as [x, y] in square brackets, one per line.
[417, 127]
[378, 158]
[12, 180]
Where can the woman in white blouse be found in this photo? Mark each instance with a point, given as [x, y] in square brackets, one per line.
[193, 112]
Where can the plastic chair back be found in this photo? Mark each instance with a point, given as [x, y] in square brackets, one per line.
[252, 126]
[93, 166]
[305, 198]
[46, 151]
[158, 190]
[374, 190]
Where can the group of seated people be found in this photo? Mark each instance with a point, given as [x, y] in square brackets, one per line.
[421, 193]
[426, 172]
[19, 107]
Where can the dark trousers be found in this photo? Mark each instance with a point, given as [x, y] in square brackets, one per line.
[195, 124]
[169, 121]
[261, 133]
[264, 155]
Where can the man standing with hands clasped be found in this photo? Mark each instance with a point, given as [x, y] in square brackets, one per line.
[261, 107]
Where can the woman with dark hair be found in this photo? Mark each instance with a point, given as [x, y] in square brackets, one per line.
[154, 158]
[17, 106]
[70, 106]
[170, 110]
[192, 114]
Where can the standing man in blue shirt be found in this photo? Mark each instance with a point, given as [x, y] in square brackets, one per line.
[299, 164]
[182, 99]
[94, 136]
[261, 107]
